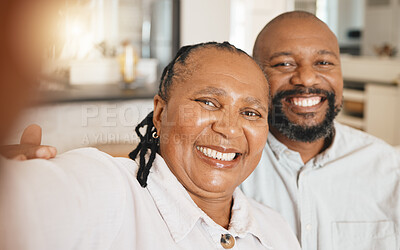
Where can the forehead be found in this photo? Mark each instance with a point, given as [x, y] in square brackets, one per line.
[222, 61]
[209, 63]
[302, 34]
[223, 69]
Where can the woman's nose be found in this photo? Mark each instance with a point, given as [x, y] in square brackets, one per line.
[228, 125]
[304, 76]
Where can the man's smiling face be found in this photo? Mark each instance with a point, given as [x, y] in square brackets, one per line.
[301, 59]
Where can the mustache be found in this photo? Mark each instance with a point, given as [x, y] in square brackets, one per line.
[300, 90]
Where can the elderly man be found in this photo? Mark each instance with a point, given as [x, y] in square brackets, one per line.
[339, 188]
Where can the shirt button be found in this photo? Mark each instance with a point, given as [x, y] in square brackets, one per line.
[308, 227]
[227, 241]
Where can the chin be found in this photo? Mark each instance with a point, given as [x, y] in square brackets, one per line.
[219, 185]
[308, 123]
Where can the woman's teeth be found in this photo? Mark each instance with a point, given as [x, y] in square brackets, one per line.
[216, 154]
[306, 102]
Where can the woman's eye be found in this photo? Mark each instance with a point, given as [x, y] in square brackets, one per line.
[207, 103]
[251, 114]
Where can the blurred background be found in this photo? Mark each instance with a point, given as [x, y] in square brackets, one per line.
[102, 60]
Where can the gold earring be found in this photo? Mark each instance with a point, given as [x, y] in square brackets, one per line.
[155, 136]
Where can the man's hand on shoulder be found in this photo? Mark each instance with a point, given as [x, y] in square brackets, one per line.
[29, 147]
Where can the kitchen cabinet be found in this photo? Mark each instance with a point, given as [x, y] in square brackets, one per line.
[374, 106]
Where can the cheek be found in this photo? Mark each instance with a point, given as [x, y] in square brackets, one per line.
[181, 125]
[256, 139]
[189, 116]
[335, 80]
[278, 82]
[256, 136]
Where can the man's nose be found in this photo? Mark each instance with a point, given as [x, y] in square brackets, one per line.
[304, 76]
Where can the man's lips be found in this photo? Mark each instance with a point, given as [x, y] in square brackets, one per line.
[305, 103]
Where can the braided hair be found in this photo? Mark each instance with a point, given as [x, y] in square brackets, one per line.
[149, 142]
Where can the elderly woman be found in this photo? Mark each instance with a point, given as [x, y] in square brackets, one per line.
[203, 139]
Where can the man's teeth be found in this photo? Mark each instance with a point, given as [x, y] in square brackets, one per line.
[216, 155]
[306, 102]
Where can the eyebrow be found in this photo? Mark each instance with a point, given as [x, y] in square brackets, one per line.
[254, 101]
[211, 91]
[327, 52]
[286, 53]
[278, 54]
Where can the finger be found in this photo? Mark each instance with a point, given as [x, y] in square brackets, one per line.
[53, 151]
[12, 151]
[46, 152]
[20, 158]
[32, 135]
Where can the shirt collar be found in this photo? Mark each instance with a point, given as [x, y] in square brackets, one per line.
[181, 214]
[243, 221]
[319, 160]
[174, 203]
[277, 147]
[281, 151]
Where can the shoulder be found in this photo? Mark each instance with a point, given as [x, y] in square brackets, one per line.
[344, 132]
[349, 140]
[81, 174]
[80, 191]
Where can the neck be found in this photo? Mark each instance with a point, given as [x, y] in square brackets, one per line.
[307, 150]
[219, 209]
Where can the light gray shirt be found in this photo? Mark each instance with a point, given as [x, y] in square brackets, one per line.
[347, 197]
[85, 199]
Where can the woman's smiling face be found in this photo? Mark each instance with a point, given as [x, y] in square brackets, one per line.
[213, 127]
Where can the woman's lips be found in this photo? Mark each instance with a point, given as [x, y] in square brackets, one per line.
[216, 154]
[219, 157]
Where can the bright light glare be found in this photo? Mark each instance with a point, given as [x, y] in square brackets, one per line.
[74, 28]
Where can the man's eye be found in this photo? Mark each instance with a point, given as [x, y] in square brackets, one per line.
[209, 103]
[324, 63]
[282, 64]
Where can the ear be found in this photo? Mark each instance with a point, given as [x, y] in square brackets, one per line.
[159, 108]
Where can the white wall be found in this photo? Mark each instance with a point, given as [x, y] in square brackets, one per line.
[342, 15]
[382, 25]
[351, 17]
[205, 20]
[250, 16]
[236, 21]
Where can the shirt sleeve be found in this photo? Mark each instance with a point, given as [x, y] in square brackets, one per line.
[74, 199]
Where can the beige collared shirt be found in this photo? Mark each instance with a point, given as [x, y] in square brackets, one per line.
[85, 199]
[346, 198]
